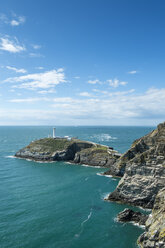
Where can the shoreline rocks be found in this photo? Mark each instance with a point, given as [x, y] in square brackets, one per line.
[128, 215]
[154, 236]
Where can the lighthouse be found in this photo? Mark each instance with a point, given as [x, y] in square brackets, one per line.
[54, 132]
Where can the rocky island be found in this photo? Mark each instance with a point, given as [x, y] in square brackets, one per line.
[73, 150]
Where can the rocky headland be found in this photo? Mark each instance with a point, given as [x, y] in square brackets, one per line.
[73, 150]
[142, 169]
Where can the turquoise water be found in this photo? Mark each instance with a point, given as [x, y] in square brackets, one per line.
[59, 205]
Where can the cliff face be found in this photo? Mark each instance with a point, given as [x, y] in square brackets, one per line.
[75, 150]
[154, 236]
[141, 152]
[97, 156]
[143, 184]
[143, 167]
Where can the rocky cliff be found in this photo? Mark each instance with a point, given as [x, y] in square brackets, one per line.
[139, 151]
[97, 156]
[154, 236]
[77, 151]
[128, 215]
[143, 167]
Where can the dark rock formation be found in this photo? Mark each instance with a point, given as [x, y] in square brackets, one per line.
[74, 150]
[154, 236]
[143, 167]
[96, 156]
[128, 215]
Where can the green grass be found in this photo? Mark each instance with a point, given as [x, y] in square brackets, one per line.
[49, 145]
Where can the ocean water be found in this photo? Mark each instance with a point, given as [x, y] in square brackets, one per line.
[61, 205]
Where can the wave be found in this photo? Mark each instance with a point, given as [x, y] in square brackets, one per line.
[103, 137]
[43, 162]
[77, 235]
[104, 196]
[11, 156]
[69, 163]
[130, 222]
[85, 165]
[147, 210]
[137, 224]
[100, 174]
[31, 160]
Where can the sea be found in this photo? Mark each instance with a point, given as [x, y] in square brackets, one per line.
[58, 204]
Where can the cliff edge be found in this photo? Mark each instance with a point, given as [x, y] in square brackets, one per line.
[154, 236]
[143, 167]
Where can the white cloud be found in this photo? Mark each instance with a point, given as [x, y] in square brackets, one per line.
[28, 100]
[146, 108]
[112, 82]
[36, 47]
[116, 83]
[96, 81]
[116, 93]
[86, 94]
[35, 55]
[17, 20]
[39, 68]
[105, 92]
[132, 72]
[16, 69]
[121, 93]
[46, 91]
[14, 23]
[37, 81]
[11, 46]
[77, 77]
[63, 99]
[3, 18]
[121, 105]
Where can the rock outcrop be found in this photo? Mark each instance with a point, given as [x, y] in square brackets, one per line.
[74, 150]
[154, 236]
[143, 167]
[128, 215]
[97, 156]
[141, 152]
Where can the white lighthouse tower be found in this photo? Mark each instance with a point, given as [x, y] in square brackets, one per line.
[54, 132]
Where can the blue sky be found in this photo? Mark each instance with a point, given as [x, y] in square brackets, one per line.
[79, 62]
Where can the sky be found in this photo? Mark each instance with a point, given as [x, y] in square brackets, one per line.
[82, 62]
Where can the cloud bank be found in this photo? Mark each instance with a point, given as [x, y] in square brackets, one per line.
[45, 80]
[119, 108]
